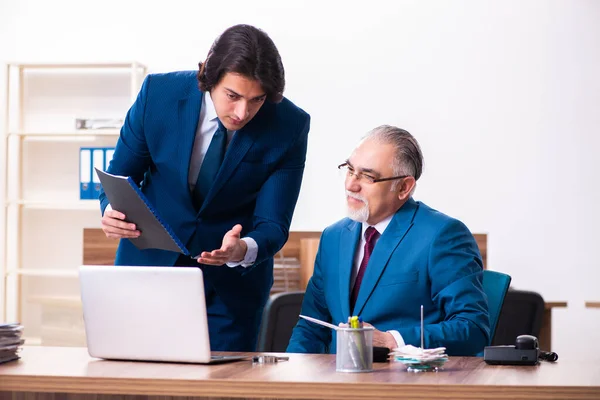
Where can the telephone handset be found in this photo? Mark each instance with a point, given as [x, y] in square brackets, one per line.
[527, 342]
[525, 351]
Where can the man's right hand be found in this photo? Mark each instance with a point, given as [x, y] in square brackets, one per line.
[115, 226]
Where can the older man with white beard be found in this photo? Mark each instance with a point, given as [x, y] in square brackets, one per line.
[392, 255]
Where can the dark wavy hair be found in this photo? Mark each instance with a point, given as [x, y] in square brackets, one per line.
[248, 51]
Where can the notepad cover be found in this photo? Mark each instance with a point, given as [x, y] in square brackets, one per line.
[125, 196]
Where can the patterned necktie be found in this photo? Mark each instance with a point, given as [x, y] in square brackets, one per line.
[210, 165]
[370, 237]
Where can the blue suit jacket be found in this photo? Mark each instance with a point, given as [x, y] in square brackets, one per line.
[257, 185]
[423, 258]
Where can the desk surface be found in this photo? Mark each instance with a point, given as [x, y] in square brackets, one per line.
[306, 376]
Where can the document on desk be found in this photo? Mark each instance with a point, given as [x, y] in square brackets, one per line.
[125, 196]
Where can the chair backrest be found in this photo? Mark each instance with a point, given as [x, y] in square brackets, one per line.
[495, 286]
[521, 314]
[278, 320]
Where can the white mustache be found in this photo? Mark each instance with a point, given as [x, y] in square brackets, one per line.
[356, 196]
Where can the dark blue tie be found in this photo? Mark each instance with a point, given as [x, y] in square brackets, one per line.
[210, 165]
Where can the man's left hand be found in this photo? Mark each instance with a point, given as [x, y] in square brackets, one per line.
[233, 249]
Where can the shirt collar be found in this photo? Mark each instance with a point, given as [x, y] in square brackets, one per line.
[209, 107]
[380, 226]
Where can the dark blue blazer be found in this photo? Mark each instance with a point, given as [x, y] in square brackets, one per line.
[423, 258]
[257, 185]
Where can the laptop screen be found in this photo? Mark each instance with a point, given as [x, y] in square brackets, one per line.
[145, 313]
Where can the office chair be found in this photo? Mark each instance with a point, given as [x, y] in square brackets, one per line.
[495, 286]
[279, 318]
[522, 314]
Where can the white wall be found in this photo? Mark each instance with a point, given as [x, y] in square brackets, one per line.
[504, 97]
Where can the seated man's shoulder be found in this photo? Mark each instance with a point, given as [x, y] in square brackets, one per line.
[435, 219]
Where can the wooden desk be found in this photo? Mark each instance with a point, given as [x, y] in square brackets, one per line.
[44, 372]
[545, 338]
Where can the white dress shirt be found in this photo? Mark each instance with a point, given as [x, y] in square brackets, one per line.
[360, 251]
[207, 126]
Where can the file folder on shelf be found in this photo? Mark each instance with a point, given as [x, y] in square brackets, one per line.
[108, 156]
[85, 173]
[97, 163]
[125, 196]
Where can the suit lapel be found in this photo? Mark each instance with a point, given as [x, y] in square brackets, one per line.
[387, 243]
[188, 117]
[238, 147]
[347, 248]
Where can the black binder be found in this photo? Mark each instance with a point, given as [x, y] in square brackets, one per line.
[125, 196]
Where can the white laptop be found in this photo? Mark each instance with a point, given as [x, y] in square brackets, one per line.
[146, 314]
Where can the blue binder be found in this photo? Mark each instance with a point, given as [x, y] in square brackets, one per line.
[125, 196]
[108, 156]
[85, 173]
[97, 163]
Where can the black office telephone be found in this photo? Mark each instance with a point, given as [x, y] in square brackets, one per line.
[525, 351]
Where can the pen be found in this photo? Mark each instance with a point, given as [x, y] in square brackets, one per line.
[352, 346]
[359, 339]
[318, 321]
[422, 341]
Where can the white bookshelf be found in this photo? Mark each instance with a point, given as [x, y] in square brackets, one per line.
[82, 205]
[67, 136]
[43, 217]
[49, 272]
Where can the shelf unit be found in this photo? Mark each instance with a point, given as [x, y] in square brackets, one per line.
[43, 218]
[77, 136]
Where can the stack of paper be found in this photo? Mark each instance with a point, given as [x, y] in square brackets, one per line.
[417, 359]
[10, 342]
[98, 123]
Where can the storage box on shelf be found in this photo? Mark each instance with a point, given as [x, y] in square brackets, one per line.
[61, 320]
[43, 216]
[286, 274]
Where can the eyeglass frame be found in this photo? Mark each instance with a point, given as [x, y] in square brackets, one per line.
[370, 180]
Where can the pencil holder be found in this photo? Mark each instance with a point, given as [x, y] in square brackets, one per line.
[354, 349]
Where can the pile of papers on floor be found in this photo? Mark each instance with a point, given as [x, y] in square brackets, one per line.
[10, 342]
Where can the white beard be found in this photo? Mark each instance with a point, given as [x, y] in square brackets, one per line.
[361, 214]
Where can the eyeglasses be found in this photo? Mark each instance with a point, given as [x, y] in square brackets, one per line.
[364, 177]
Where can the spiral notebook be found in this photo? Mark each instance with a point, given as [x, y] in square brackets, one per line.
[125, 196]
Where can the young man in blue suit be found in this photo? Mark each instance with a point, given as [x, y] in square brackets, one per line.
[392, 255]
[220, 154]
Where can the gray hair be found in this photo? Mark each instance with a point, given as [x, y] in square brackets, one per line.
[408, 159]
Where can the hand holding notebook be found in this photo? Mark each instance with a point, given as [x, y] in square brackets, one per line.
[125, 196]
[116, 226]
